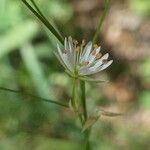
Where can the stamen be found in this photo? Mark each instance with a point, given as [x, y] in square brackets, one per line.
[104, 61]
[64, 51]
[83, 42]
[93, 52]
[78, 48]
[85, 63]
[98, 56]
[75, 42]
[95, 46]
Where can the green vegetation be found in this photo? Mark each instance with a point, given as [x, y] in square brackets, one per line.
[28, 64]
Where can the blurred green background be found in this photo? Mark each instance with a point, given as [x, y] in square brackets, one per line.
[28, 64]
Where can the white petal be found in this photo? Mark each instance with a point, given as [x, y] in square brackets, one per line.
[99, 62]
[100, 68]
[86, 52]
[66, 44]
[65, 59]
[92, 57]
[106, 65]
[70, 42]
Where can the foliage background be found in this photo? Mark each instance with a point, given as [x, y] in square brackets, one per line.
[28, 64]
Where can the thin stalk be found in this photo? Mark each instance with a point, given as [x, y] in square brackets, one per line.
[73, 99]
[37, 8]
[41, 17]
[33, 96]
[101, 20]
[84, 107]
[83, 100]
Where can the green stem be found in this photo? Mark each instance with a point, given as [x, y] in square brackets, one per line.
[84, 107]
[34, 96]
[41, 17]
[73, 99]
[83, 99]
[101, 20]
[37, 8]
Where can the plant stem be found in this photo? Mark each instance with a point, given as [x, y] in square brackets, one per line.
[101, 20]
[83, 99]
[34, 96]
[84, 107]
[73, 99]
[40, 16]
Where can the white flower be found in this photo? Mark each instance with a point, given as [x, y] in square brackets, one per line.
[84, 59]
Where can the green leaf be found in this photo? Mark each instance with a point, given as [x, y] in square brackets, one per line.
[109, 114]
[33, 96]
[90, 122]
[101, 20]
[42, 18]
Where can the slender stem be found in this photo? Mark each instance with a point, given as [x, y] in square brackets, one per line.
[84, 107]
[73, 99]
[37, 8]
[34, 96]
[41, 17]
[83, 99]
[101, 20]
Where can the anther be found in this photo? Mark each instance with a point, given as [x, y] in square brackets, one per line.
[85, 63]
[83, 42]
[64, 51]
[95, 46]
[104, 61]
[93, 52]
[78, 48]
[98, 56]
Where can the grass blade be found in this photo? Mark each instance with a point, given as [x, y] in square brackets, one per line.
[34, 96]
[101, 20]
[41, 17]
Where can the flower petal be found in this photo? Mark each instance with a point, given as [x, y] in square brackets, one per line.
[99, 62]
[66, 44]
[89, 71]
[106, 65]
[86, 52]
[70, 43]
[92, 57]
[65, 58]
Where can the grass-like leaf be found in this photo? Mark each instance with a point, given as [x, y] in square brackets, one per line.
[42, 18]
[101, 20]
[34, 96]
[109, 114]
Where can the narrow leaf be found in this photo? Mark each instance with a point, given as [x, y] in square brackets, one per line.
[33, 96]
[90, 122]
[109, 114]
[41, 17]
[101, 20]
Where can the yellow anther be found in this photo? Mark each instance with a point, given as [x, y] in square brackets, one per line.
[78, 48]
[98, 56]
[104, 61]
[95, 46]
[83, 42]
